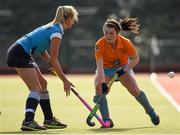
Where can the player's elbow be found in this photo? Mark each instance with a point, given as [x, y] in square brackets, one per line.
[137, 60]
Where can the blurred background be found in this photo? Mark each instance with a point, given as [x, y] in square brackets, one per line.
[158, 43]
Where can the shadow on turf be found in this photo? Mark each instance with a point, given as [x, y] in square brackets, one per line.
[97, 130]
[100, 130]
[36, 132]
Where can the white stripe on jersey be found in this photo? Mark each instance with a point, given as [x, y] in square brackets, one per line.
[57, 34]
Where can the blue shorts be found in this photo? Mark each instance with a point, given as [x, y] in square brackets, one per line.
[110, 71]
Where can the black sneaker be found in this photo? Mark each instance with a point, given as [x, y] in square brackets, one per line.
[154, 118]
[31, 126]
[111, 124]
[54, 124]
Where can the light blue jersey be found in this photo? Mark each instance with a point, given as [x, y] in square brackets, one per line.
[38, 40]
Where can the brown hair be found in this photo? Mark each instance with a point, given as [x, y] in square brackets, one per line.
[125, 24]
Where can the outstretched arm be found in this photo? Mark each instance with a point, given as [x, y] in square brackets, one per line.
[54, 52]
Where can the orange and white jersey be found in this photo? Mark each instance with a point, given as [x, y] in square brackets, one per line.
[114, 57]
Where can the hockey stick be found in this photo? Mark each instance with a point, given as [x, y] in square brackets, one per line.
[105, 124]
[96, 107]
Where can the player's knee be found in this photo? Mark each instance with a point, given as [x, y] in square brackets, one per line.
[44, 84]
[135, 92]
[44, 94]
[96, 98]
[37, 88]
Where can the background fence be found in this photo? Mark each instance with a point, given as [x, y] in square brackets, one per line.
[158, 43]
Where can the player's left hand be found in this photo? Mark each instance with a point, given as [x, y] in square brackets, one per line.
[120, 72]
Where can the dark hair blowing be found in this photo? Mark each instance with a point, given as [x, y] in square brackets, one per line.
[125, 24]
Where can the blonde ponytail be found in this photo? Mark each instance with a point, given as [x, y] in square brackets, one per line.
[63, 12]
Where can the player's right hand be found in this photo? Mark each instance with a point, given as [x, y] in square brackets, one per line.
[67, 87]
[104, 88]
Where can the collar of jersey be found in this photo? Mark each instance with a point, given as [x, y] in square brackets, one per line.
[61, 27]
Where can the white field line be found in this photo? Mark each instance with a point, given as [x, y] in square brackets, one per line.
[156, 83]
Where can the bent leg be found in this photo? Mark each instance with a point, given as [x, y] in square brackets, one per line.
[44, 97]
[103, 102]
[29, 76]
[129, 82]
[50, 122]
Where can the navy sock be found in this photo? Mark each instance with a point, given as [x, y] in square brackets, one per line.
[45, 105]
[31, 105]
[142, 99]
[103, 107]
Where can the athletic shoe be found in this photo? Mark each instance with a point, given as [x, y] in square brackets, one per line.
[154, 118]
[31, 126]
[111, 124]
[54, 124]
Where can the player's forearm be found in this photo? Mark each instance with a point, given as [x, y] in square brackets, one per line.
[133, 63]
[57, 68]
[100, 70]
[45, 56]
[101, 75]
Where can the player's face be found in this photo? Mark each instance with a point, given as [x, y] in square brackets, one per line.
[69, 22]
[110, 35]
